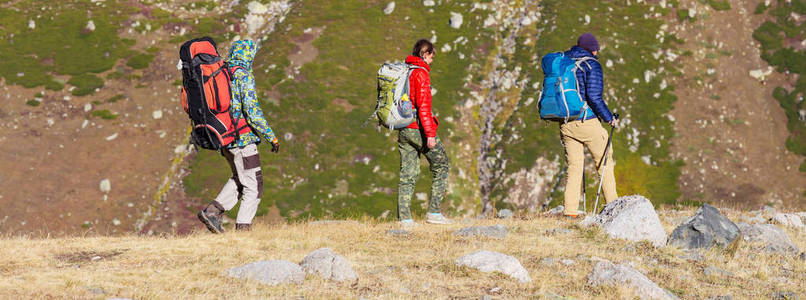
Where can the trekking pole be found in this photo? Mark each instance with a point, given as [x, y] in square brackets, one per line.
[604, 166]
[584, 192]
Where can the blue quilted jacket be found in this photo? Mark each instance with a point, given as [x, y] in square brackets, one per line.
[591, 83]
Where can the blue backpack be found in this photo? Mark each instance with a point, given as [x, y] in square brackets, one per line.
[560, 99]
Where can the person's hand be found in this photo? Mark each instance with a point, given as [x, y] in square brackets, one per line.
[431, 143]
[275, 147]
[614, 122]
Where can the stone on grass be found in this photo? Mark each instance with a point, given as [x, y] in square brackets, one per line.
[456, 20]
[631, 218]
[488, 261]
[397, 232]
[497, 231]
[706, 229]
[505, 214]
[788, 220]
[389, 8]
[714, 271]
[328, 265]
[774, 239]
[271, 272]
[555, 211]
[606, 273]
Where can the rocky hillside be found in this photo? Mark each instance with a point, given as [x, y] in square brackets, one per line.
[92, 112]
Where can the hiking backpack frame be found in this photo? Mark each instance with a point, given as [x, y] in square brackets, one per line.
[206, 95]
[560, 99]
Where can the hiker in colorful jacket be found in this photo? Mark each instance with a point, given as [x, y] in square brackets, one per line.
[577, 134]
[242, 155]
[420, 138]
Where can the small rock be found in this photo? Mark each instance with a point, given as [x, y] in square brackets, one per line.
[547, 261]
[397, 232]
[497, 231]
[568, 262]
[785, 295]
[487, 261]
[157, 114]
[90, 26]
[486, 297]
[112, 137]
[768, 212]
[631, 218]
[607, 273]
[257, 8]
[31, 24]
[390, 8]
[788, 220]
[105, 186]
[693, 255]
[774, 239]
[555, 211]
[271, 272]
[505, 214]
[95, 258]
[429, 3]
[707, 228]
[456, 20]
[87, 107]
[329, 265]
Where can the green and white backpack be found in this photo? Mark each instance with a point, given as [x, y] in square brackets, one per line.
[394, 109]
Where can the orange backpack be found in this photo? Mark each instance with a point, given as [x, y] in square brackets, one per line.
[206, 95]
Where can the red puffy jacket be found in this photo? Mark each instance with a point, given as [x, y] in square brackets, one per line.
[420, 95]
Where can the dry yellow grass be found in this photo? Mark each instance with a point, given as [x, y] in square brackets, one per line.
[420, 265]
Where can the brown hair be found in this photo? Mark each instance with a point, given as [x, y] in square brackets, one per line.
[422, 47]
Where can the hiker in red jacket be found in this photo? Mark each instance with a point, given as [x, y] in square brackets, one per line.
[420, 137]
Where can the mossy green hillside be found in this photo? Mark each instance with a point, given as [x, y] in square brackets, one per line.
[329, 165]
[45, 38]
[629, 41]
[780, 44]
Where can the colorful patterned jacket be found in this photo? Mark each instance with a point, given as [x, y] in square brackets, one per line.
[244, 96]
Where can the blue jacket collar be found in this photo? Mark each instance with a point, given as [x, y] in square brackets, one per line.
[579, 52]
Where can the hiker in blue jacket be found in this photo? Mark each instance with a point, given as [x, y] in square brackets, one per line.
[588, 131]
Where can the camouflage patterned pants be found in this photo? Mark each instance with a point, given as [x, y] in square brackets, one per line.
[411, 144]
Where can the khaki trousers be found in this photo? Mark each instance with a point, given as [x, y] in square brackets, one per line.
[575, 136]
[246, 182]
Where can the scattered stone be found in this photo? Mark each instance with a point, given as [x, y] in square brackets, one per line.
[488, 261]
[558, 231]
[271, 272]
[555, 211]
[497, 231]
[31, 24]
[90, 26]
[788, 220]
[105, 186]
[693, 255]
[607, 273]
[329, 265]
[429, 3]
[390, 8]
[768, 212]
[456, 20]
[785, 295]
[631, 218]
[87, 107]
[707, 228]
[505, 213]
[568, 262]
[547, 261]
[775, 240]
[761, 74]
[112, 137]
[157, 114]
[711, 270]
[397, 232]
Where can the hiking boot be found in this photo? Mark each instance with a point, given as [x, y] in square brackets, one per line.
[211, 217]
[243, 227]
[408, 223]
[437, 218]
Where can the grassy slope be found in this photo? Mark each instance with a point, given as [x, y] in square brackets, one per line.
[358, 38]
[420, 265]
[780, 38]
[619, 26]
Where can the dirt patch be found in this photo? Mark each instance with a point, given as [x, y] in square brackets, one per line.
[88, 256]
[304, 51]
[731, 132]
[343, 104]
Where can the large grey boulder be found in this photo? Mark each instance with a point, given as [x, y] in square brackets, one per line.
[271, 272]
[774, 239]
[488, 261]
[497, 231]
[631, 218]
[328, 265]
[706, 229]
[606, 273]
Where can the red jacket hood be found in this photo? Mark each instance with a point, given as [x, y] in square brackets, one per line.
[414, 60]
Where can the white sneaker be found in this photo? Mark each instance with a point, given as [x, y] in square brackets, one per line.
[437, 218]
[409, 223]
